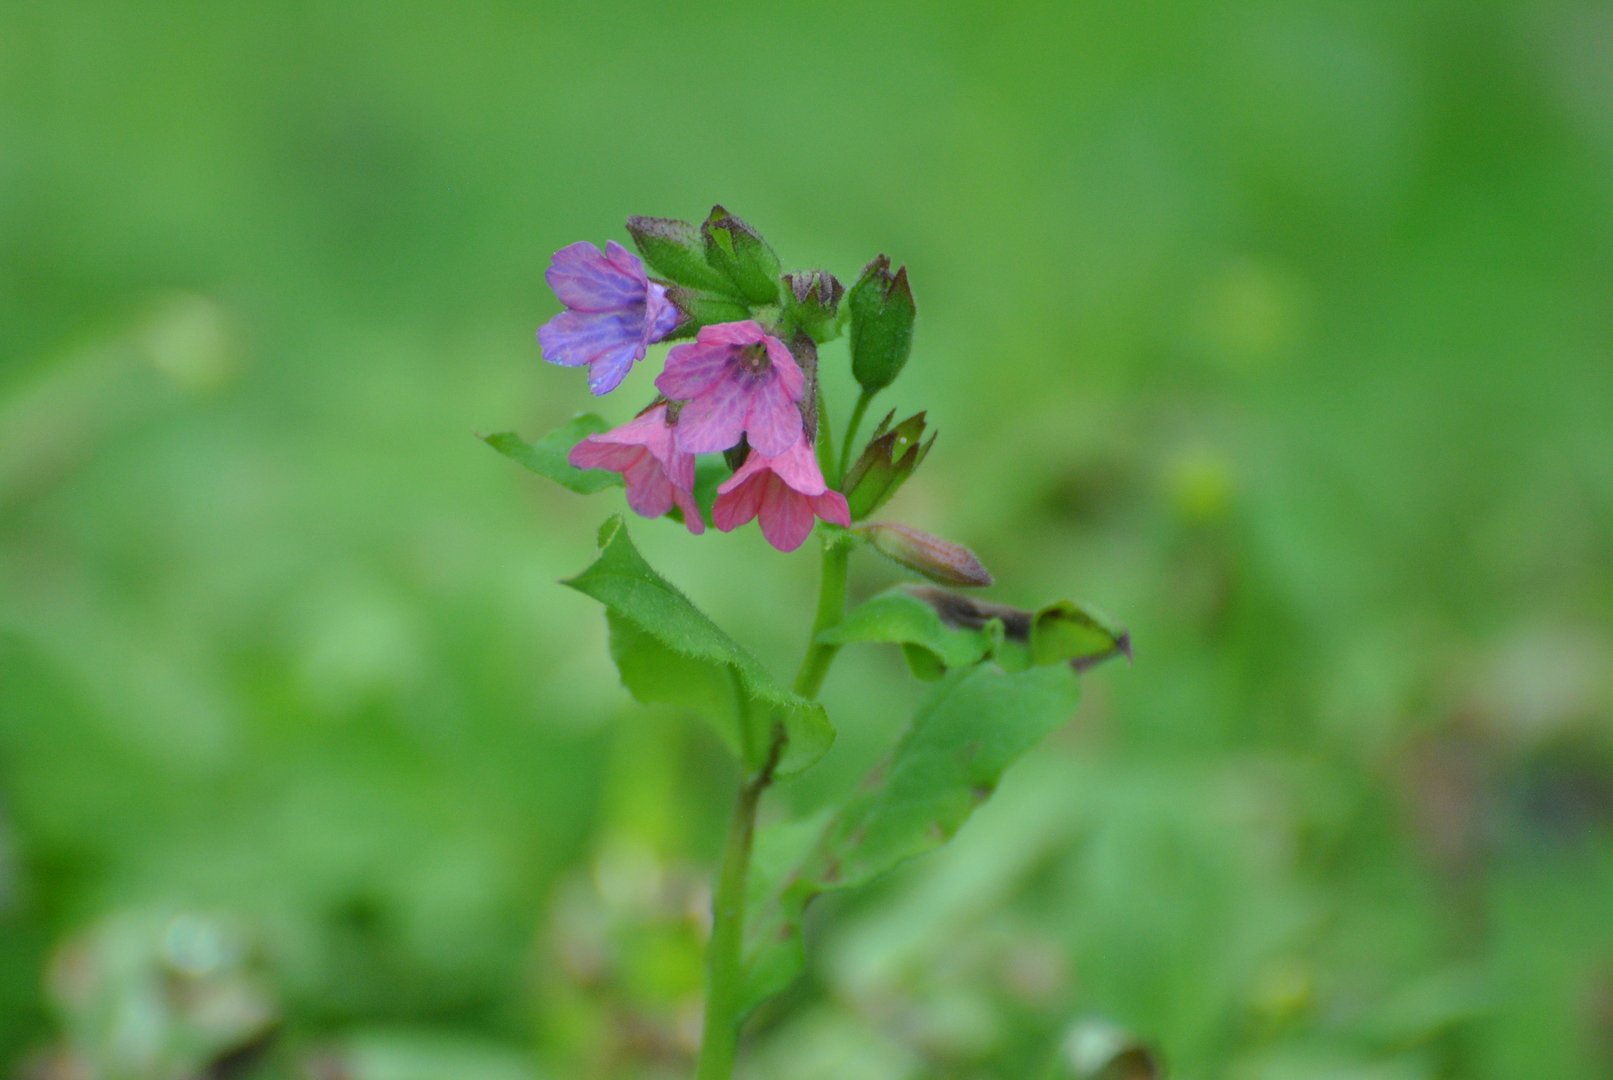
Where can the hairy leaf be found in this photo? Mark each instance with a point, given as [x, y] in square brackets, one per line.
[931, 646]
[547, 456]
[668, 651]
[974, 724]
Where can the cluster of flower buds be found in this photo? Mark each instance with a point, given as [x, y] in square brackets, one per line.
[746, 385]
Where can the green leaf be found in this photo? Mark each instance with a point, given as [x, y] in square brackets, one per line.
[930, 645]
[974, 724]
[547, 456]
[1064, 630]
[668, 651]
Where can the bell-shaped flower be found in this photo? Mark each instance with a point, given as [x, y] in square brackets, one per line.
[736, 380]
[785, 490]
[614, 312]
[658, 475]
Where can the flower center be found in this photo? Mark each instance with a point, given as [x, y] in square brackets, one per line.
[754, 357]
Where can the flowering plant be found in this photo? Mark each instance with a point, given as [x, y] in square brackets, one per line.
[743, 386]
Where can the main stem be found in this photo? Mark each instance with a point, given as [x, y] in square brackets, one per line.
[725, 972]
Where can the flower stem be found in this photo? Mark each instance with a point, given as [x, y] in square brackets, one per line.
[852, 425]
[725, 970]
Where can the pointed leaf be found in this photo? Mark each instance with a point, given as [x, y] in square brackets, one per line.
[974, 724]
[669, 651]
[547, 456]
[931, 646]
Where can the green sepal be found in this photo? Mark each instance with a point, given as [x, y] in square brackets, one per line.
[704, 308]
[547, 456]
[668, 651]
[675, 250]
[739, 251]
[891, 456]
[812, 303]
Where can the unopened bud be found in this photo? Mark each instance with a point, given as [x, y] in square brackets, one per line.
[812, 301]
[937, 559]
[674, 250]
[740, 253]
[882, 316]
[889, 459]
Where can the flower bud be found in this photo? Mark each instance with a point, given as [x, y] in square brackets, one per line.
[937, 559]
[812, 301]
[704, 308]
[740, 253]
[882, 314]
[675, 251]
[889, 459]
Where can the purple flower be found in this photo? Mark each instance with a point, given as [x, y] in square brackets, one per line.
[786, 491]
[613, 312]
[737, 380]
[658, 475]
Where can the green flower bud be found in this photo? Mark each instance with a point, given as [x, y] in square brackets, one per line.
[739, 251]
[812, 301]
[704, 308]
[675, 251]
[882, 315]
[886, 463]
[937, 559]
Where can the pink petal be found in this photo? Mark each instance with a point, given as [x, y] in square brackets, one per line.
[648, 490]
[744, 332]
[789, 373]
[772, 421]
[693, 369]
[691, 510]
[831, 506]
[595, 453]
[798, 467]
[786, 516]
[715, 420]
[585, 280]
[735, 506]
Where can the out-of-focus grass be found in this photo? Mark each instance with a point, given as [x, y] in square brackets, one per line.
[1281, 331]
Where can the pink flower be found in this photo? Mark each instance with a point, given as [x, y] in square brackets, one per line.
[614, 312]
[657, 473]
[785, 490]
[737, 380]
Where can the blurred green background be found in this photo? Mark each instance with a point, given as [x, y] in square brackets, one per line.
[1284, 332]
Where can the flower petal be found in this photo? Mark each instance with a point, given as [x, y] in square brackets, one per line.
[738, 505]
[649, 492]
[575, 338]
[661, 316]
[831, 506]
[693, 369]
[715, 420]
[787, 371]
[595, 452]
[691, 510]
[772, 421]
[786, 515]
[798, 467]
[607, 373]
[585, 280]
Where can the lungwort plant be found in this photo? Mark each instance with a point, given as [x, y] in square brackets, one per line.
[737, 429]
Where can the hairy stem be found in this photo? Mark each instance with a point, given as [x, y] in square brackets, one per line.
[725, 970]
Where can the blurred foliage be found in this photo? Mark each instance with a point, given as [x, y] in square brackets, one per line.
[1283, 330]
